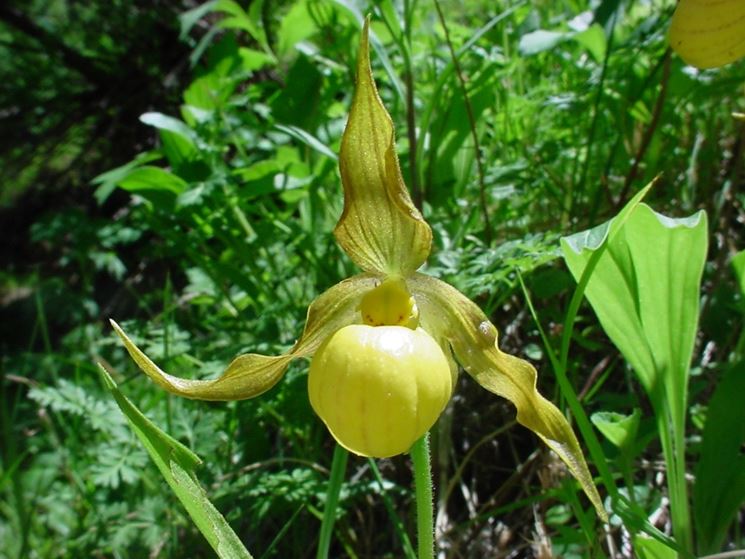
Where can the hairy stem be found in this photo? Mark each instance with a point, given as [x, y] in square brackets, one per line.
[423, 488]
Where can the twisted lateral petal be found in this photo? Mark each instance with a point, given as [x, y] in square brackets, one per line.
[380, 229]
[449, 314]
[709, 33]
[251, 374]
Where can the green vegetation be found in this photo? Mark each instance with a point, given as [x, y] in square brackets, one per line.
[174, 166]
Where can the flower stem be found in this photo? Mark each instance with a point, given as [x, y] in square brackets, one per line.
[423, 488]
[398, 526]
[338, 467]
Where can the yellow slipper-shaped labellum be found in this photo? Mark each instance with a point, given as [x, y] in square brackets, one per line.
[709, 33]
[379, 388]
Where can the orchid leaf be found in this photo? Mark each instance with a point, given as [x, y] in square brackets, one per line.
[251, 374]
[645, 292]
[618, 428]
[448, 314]
[649, 548]
[709, 33]
[719, 491]
[738, 263]
[177, 464]
[380, 229]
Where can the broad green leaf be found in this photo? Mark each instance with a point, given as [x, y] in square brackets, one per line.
[380, 229]
[156, 185]
[178, 139]
[618, 428]
[177, 464]
[148, 178]
[594, 40]
[165, 122]
[108, 181]
[648, 548]
[238, 18]
[298, 25]
[252, 60]
[540, 40]
[719, 491]
[645, 292]
[298, 105]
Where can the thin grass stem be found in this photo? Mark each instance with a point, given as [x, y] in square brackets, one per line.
[472, 125]
[338, 467]
[398, 526]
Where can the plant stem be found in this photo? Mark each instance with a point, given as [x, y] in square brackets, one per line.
[472, 123]
[672, 435]
[338, 467]
[651, 129]
[423, 488]
[397, 524]
[580, 185]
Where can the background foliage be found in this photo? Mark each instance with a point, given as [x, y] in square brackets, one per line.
[173, 165]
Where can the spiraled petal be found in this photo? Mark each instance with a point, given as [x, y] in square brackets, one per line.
[380, 229]
[251, 374]
[447, 313]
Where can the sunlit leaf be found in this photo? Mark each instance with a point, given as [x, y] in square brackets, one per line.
[177, 464]
[648, 548]
[645, 291]
[619, 429]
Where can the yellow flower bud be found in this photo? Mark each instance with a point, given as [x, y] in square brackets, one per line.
[379, 388]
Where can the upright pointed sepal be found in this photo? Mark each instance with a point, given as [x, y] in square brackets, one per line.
[448, 314]
[252, 374]
[380, 229]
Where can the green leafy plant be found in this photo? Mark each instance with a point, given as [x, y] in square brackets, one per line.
[351, 327]
[644, 288]
[518, 123]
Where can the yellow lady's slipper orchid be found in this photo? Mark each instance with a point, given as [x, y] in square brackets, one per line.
[386, 341]
[709, 33]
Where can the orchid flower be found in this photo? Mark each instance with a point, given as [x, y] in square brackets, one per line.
[709, 33]
[384, 343]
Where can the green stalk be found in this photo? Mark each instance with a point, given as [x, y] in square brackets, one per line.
[398, 526]
[673, 449]
[423, 487]
[338, 467]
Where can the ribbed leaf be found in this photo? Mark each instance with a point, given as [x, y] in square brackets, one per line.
[177, 463]
[645, 292]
